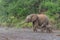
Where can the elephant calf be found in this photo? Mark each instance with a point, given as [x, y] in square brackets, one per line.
[39, 21]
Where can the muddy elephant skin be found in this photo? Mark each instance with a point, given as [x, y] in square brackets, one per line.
[38, 20]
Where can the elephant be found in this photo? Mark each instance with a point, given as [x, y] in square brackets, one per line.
[40, 21]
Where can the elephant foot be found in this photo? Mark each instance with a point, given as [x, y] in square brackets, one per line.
[42, 30]
[35, 30]
[49, 31]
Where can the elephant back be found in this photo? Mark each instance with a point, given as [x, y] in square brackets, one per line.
[43, 18]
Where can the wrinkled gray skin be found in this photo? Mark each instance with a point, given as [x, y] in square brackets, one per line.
[40, 21]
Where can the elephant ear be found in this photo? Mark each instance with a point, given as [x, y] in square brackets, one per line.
[34, 17]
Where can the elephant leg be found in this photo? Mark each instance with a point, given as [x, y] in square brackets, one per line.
[35, 25]
[42, 29]
[49, 30]
[34, 29]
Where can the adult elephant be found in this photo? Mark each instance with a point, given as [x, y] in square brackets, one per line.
[39, 21]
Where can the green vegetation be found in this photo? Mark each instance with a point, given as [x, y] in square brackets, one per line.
[13, 12]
